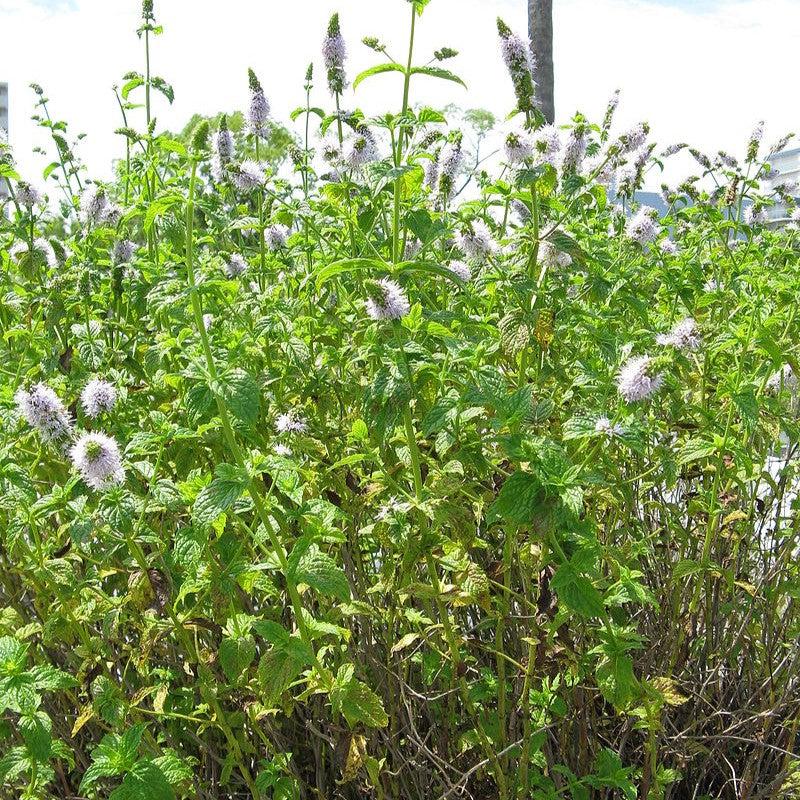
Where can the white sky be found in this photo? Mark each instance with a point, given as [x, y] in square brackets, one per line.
[702, 71]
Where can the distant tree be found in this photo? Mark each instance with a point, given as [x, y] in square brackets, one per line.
[479, 124]
[540, 27]
[275, 149]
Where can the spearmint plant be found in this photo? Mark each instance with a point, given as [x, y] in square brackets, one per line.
[392, 471]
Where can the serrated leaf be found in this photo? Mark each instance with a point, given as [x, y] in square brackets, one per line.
[438, 72]
[519, 498]
[405, 641]
[217, 498]
[319, 571]
[36, 730]
[378, 69]
[277, 670]
[348, 265]
[515, 332]
[243, 396]
[145, 781]
[694, 450]
[577, 592]
[356, 701]
[236, 655]
[356, 752]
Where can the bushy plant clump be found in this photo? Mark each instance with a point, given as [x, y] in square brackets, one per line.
[355, 482]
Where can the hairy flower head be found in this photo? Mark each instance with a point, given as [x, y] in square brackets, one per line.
[518, 58]
[636, 380]
[605, 427]
[290, 422]
[574, 150]
[276, 236]
[28, 195]
[98, 396]
[387, 300]
[475, 240]
[94, 205]
[97, 458]
[248, 175]
[124, 250]
[684, 336]
[334, 54]
[461, 270]
[43, 410]
[518, 147]
[449, 165]
[258, 112]
[785, 379]
[235, 265]
[363, 149]
[643, 227]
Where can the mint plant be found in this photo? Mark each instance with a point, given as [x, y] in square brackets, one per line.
[396, 470]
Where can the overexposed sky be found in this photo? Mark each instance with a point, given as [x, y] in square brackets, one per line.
[702, 71]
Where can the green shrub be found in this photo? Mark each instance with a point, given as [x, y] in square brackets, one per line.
[386, 477]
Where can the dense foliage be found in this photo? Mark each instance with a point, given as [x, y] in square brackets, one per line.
[383, 476]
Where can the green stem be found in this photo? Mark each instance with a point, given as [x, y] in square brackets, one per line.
[230, 438]
[400, 137]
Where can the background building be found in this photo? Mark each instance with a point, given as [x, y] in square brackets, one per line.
[4, 126]
[785, 170]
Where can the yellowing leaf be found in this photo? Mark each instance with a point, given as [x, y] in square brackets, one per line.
[406, 641]
[666, 688]
[355, 758]
[87, 712]
[158, 700]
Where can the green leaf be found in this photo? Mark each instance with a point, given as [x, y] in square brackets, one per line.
[114, 755]
[444, 412]
[36, 730]
[686, 567]
[610, 773]
[159, 207]
[107, 699]
[133, 82]
[520, 497]
[422, 225]
[176, 770]
[18, 693]
[13, 655]
[242, 396]
[49, 678]
[277, 670]
[300, 110]
[356, 701]
[349, 265]
[377, 70]
[145, 781]
[615, 676]
[428, 115]
[430, 268]
[50, 168]
[223, 491]
[438, 72]
[236, 655]
[516, 331]
[694, 450]
[160, 85]
[199, 402]
[319, 571]
[579, 427]
[14, 763]
[577, 592]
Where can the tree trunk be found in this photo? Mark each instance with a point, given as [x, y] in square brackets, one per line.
[540, 28]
